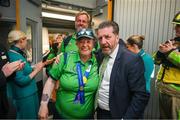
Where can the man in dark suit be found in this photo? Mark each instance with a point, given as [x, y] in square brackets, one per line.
[122, 90]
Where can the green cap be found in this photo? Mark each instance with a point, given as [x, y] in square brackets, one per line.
[87, 33]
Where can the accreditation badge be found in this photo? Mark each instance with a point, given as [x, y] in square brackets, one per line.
[3, 57]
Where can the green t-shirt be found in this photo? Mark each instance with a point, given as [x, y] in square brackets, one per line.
[71, 45]
[67, 91]
[51, 55]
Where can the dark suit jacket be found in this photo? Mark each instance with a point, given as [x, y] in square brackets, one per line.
[3, 96]
[127, 93]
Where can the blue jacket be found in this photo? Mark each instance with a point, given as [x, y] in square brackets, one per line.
[22, 85]
[149, 67]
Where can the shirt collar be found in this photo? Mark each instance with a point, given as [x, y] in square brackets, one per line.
[141, 52]
[92, 59]
[13, 47]
[74, 35]
[114, 53]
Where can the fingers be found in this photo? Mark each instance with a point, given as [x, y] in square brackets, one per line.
[17, 65]
[39, 66]
[47, 62]
[9, 68]
[13, 65]
[57, 59]
[43, 112]
[43, 117]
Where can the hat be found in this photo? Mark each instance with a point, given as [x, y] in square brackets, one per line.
[176, 19]
[15, 35]
[87, 33]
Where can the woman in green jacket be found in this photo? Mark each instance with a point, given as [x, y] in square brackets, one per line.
[79, 79]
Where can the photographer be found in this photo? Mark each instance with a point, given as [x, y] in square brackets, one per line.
[168, 78]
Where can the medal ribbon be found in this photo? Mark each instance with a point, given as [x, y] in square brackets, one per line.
[82, 80]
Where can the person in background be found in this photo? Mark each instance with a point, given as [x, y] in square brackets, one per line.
[168, 78]
[82, 20]
[79, 80]
[122, 90]
[6, 69]
[54, 51]
[135, 43]
[24, 89]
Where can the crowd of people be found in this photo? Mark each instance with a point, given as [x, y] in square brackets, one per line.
[92, 76]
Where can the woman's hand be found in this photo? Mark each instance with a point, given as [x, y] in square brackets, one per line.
[38, 67]
[47, 62]
[43, 111]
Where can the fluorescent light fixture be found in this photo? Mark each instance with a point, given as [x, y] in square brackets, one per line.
[58, 16]
[58, 9]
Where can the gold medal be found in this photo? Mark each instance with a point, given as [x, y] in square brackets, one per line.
[81, 88]
[84, 79]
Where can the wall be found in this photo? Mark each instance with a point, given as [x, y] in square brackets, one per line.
[100, 13]
[99, 18]
[151, 18]
[9, 13]
[7, 21]
[31, 13]
[45, 39]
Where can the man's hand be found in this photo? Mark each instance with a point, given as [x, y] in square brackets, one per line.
[9, 68]
[166, 47]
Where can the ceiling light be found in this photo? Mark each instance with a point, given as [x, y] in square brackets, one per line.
[58, 16]
[58, 9]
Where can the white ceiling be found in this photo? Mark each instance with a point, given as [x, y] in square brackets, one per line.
[82, 3]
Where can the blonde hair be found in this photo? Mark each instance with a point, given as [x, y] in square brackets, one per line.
[15, 35]
[55, 36]
[136, 39]
[83, 13]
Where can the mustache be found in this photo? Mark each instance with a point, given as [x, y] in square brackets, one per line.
[105, 46]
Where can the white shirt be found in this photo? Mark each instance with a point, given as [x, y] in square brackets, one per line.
[103, 93]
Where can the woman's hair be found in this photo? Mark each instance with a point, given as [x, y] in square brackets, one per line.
[136, 39]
